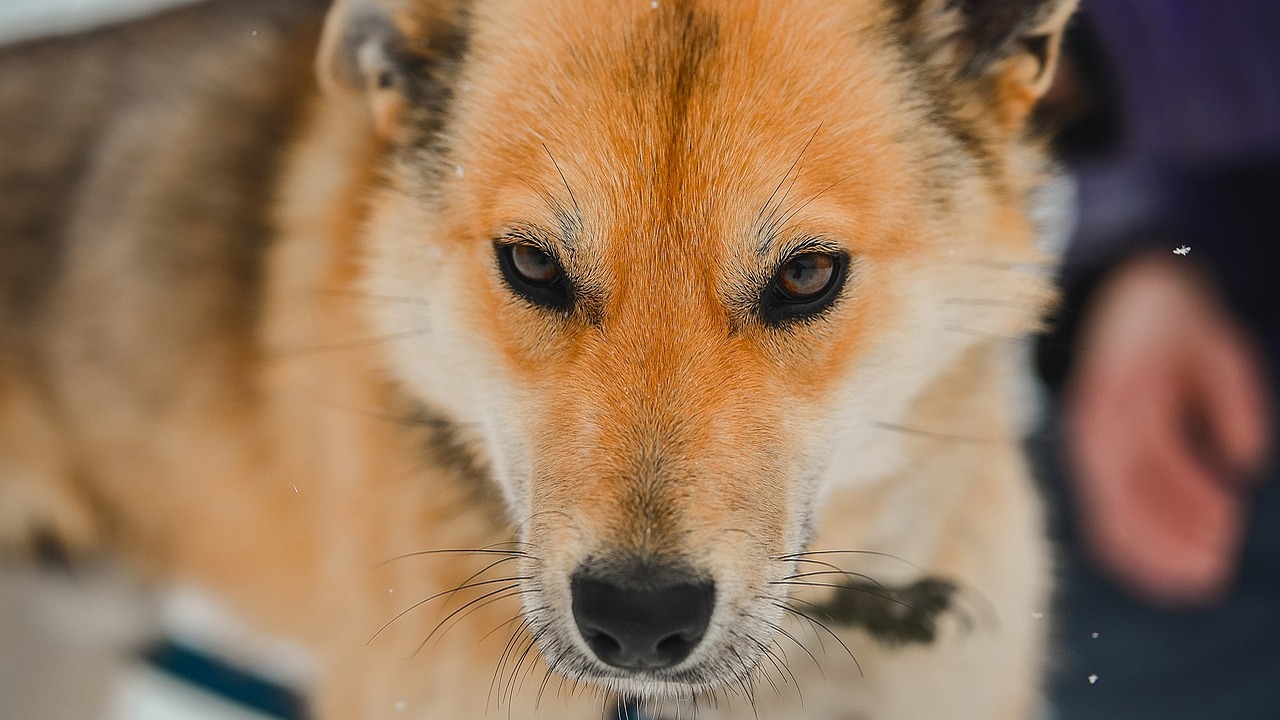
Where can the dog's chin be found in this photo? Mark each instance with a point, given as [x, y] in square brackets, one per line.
[654, 688]
[679, 683]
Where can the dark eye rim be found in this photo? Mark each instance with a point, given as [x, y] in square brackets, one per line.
[777, 308]
[556, 295]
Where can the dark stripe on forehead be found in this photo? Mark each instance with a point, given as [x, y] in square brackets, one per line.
[672, 55]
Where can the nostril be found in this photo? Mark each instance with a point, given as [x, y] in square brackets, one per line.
[679, 644]
[602, 644]
[649, 621]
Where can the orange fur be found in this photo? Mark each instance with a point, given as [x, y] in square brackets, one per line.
[652, 149]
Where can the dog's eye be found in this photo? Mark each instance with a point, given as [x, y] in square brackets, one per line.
[535, 275]
[806, 277]
[804, 286]
[534, 266]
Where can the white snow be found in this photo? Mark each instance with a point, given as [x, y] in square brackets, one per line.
[21, 19]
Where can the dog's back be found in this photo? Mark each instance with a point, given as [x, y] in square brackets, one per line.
[136, 166]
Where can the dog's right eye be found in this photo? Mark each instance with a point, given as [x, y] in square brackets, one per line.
[534, 275]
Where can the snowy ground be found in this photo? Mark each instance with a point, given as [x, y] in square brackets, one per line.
[21, 19]
[66, 641]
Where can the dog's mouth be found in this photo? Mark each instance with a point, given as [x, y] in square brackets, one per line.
[690, 679]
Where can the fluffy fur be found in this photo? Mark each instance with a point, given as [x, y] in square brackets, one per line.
[253, 336]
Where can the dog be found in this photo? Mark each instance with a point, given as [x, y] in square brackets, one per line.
[548, 358]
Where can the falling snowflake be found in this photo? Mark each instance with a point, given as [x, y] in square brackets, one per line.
[654, 4]
[400, 705]
[295, 488]
[457, 170]
[1037, 615]
[1094, 635]
[1184, 250]
[1093, 679]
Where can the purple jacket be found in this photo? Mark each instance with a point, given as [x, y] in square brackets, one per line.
[1195, 94]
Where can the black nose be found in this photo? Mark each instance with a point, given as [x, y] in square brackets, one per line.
[648, 620]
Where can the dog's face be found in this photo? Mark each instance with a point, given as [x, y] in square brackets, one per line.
[675, 260]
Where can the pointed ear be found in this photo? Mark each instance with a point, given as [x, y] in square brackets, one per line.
[1008, 49]
[390, 51]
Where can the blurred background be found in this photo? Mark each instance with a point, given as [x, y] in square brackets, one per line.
[33, 18]
[1158, 448]
[1158, 452]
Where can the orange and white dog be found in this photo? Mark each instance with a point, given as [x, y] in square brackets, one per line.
[546, 354]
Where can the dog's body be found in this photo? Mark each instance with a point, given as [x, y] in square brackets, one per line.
[261, 339]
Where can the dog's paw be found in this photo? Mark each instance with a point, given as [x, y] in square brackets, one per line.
[42, 521]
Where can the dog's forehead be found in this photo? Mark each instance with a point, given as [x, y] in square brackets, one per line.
[681, 118]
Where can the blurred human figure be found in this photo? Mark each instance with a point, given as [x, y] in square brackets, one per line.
[1165, 362]
[1167, 430]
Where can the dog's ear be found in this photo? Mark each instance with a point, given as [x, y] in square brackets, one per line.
[389, 51]
[1006, 48]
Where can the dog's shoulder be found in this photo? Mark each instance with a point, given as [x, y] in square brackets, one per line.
[142, 136]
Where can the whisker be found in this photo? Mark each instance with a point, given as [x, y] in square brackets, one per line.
[836, 571]
[823, 626]
[987, 335]
[442, 593]
[820, 193]
[504, 623]
[764, 650]
[516, 678]
[783, 631]
[552, 204]
[506, 589]
[546, 678]
[990, 302]
[285, 353]
[502, 661]
[515, 673]
[750, 695]
[854, 588]
[555, 164]
[521, 527]
[761, 212]
[873, 553]
[360, 295]
[488, 550]
[787, 666]
[504, 680]
[1018, 266]
[478, 573]
[823, 563]
[939, 436]
[479, 607]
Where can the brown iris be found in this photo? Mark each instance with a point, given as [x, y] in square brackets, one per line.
[533, 265]
[535, 275]
[806, 277]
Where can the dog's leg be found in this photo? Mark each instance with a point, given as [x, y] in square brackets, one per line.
[42, 512]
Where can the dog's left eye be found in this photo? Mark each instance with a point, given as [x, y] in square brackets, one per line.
[803, 286]
[535, 275]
